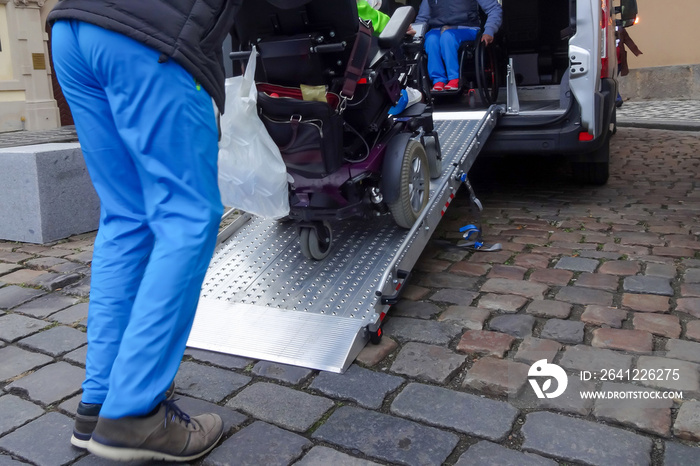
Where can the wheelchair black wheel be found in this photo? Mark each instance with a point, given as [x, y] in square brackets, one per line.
[414, 186]
[486, 73]
[313, 247]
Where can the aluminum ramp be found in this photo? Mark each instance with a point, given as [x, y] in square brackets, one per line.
[262, 299]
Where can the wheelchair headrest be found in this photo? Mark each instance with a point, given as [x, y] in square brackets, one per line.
[261, 19]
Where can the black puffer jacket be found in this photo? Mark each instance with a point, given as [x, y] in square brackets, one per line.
[191, 32]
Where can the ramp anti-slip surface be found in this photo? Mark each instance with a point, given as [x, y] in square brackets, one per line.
[263, 299]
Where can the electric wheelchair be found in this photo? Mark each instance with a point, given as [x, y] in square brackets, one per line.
[345, 155]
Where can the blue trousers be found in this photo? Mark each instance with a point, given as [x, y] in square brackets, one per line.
[443, 62]
[149, 137]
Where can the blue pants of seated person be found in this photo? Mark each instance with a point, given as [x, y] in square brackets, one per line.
[149, 138]
[443, 62]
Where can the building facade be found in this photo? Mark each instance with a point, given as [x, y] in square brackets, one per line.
[668, 34]
[26, 90]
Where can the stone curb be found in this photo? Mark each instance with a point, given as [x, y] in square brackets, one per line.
[653, 123]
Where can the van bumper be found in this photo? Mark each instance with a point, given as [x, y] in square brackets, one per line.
[540, 135]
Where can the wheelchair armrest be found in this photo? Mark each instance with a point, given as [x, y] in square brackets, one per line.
[396, 28]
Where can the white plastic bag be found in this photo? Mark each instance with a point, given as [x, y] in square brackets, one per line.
[252, 174]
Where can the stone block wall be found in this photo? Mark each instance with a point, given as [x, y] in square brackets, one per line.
[680, 82]
[46, 193]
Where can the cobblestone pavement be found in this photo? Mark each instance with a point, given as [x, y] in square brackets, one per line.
[679, 115]
[688, 110]
[24, 138]
[589, 278]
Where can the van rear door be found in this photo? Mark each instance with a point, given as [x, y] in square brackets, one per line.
[585, 49]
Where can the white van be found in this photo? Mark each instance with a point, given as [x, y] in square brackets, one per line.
[554, 76]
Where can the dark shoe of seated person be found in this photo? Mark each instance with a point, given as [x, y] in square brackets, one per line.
[167, 434]
[86, 420]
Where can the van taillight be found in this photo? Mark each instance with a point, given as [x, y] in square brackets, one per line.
[604, 67]
[604, 15]
[585, 137]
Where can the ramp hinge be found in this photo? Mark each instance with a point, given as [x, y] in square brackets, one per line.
[394, 298]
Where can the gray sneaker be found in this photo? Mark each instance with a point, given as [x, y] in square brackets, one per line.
[169, 435]
[86, 420]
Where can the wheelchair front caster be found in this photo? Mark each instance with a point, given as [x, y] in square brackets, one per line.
[312, 246]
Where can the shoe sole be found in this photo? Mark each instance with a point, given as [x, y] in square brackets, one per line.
[76, 442]
[129, 454]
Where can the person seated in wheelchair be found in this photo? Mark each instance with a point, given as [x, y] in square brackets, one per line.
[449, 23]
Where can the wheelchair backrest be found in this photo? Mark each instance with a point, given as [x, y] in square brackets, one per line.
[299, 41]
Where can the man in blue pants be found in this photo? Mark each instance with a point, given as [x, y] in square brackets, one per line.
[451, 22]
[140, 83]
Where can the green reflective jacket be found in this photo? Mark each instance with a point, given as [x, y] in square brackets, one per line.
[366, 12]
